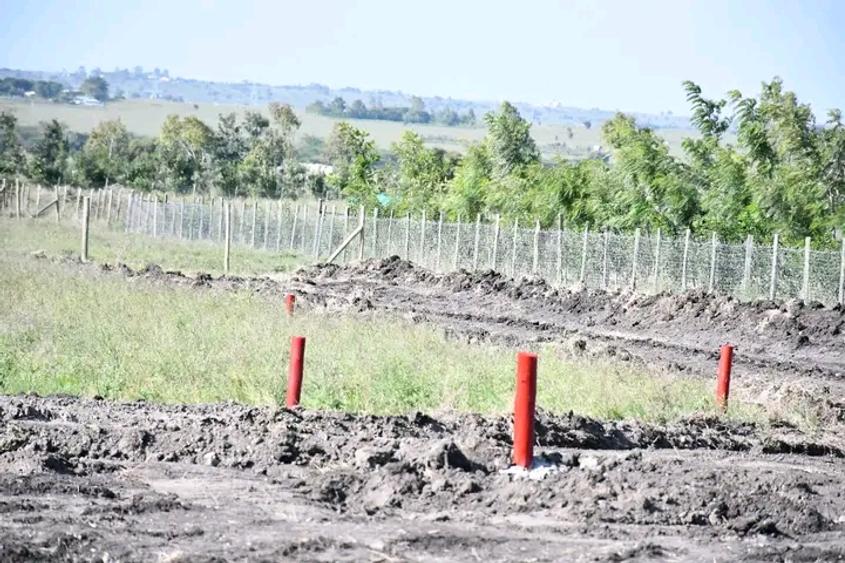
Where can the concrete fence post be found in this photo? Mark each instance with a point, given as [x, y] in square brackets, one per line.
[362, 218]
[604, 272]
[582, 277]
[773, 279]
[477, 241]
[514, 247]
[559, 265]
[711, 284]
[535, 254]
[656, 280]
[842, 273]
[746, 266]
[494, 259]
[685, 261]
[634, 258]
[805, 280]
[292, 227]
[407, 253]
[226, 212]
[374, 246]
[422, 239]
[439, 242]
[279, 227]
[389, 242]
[457, 244]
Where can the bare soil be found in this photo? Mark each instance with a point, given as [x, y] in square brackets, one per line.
[87, 479]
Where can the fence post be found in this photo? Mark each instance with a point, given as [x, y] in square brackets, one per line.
[684, 262]
[390, 235]
[18, 199]
[439, 241]
[279, 227]
[656, 280]
[805, 283]
[86, 212]
[477, 241]
[559, 249]
[254, 217]
[535, 254]
[495, 256]
[109, 201]
[583, 274]
[773, 280]
[513, 247]
[155, 216]
[605, 244]
[362, 218]
[58, 206]
[746, 267]
[375, 233]
[712, 282]
[78, 203]
[635, 258]
[422, 239]
[842, 274]
[345, 227]
[318, 219]
[331, 226]
[457, 244]
[292, 227]
[408, 237]
[37, 197]
[227, 212]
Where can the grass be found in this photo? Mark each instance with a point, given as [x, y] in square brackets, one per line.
[145, 117]
[112, 246]
[66, 329]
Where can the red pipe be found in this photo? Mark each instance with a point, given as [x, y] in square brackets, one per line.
[297, 359]
[290, 301]
[723, 381]
[523, 410]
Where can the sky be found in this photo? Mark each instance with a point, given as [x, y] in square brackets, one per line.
[608, 54]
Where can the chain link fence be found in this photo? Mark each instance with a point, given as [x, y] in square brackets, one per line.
[647, 262]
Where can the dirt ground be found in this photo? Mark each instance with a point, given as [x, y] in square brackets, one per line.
[85, 479]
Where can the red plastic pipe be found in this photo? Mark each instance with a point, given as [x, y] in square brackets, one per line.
[523, 410]
[290, 302]
[297, 359]
[723, 381]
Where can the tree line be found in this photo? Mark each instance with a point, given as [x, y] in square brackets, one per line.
[95, 87]
[759, 165]
[415, 113]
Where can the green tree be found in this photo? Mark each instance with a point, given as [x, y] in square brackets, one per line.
[11, 151]
[510, 142]
[96, 87]
[353, 156]
[185, 148]
[421, 175]
[106, 153]
[49, 155]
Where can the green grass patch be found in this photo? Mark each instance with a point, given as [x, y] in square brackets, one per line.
[64, 329]
[112, 246]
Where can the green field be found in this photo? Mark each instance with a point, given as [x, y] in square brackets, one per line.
[72, 329]
[144, 117]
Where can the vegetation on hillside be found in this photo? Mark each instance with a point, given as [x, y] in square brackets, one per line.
[784, 173]
[415, 113]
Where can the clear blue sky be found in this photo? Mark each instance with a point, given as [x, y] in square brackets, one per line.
[628, 55]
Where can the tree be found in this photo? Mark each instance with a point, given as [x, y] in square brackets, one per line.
[510, 142]
[422, 173]
[49, 155]
[96, 87]
[106, 153]
[353, 156]
[185, 147]
[11, 151]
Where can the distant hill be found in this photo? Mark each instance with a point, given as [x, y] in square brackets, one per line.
[158, 84]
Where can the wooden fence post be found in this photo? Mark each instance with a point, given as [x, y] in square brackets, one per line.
[582, 278]
[345, 228]
[439, 241]
[422, 239]
[635, 258]
[254, 217]
[773, 279]
[86, 212]
[513, 247]
[37, 197]
[477, 241]
[227, 212]
[685, 261]
[408, 237]
[318, 216]
[109, 201]
[604, 273]
[805, 281]
[78, 203]
[155, 216]
[331, 226]
[389, 243]
[58, 206]
[374, 245]
[711, 284]
[746, 266]
[535, 255]
[495, 256]
[293, 227]
[842, 273]
[362, 218]
[457, 244]
[656, 282]
[559, 266]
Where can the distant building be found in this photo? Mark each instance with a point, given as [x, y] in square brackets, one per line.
[87, 101]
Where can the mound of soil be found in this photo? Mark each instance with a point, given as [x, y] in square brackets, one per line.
[85, 479]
